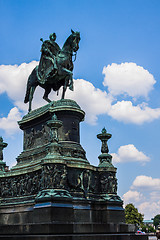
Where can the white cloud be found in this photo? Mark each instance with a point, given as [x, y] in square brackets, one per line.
[13, 80]
[9, 123]
[125, 111]
[128, 78]
[146, 182]
[92, 100]
[132, 80]
[144, 193]
[149, 208]
[129, 153]
[155, 195]
[132, 196]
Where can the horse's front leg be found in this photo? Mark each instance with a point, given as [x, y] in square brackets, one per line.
[46, 93]
[65, 87]
[68, 80]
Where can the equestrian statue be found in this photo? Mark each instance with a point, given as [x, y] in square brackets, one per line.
[55, 67]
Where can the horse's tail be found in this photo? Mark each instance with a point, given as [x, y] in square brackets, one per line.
[30, 83]
[26, 99]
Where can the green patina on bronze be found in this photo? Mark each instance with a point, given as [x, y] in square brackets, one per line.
[3, 166]
[55, 67]
[105, 158]
[53, 158]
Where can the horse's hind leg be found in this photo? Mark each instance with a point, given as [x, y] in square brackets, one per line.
[45, 97]
[32, 90]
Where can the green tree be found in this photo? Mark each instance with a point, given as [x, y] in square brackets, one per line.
[147, 228]
[156, 220]
[132, 215]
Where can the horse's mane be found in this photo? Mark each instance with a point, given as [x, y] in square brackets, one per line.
[70, 39]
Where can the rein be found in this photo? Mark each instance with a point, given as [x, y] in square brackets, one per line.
[73, 55]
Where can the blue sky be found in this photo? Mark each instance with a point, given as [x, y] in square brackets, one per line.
[116, 81]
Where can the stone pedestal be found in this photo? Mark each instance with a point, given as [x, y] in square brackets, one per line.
[53, 192]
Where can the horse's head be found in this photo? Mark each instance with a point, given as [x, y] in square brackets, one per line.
[73, 41]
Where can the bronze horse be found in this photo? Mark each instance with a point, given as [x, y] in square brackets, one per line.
[55, 67]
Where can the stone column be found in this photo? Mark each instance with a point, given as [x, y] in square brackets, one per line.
[3, 166]
[104, 157]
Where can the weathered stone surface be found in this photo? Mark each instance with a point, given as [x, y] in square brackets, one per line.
[53, 189]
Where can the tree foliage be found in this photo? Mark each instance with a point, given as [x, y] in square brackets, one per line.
[156, 220]
[148, 229]
[132, 215]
